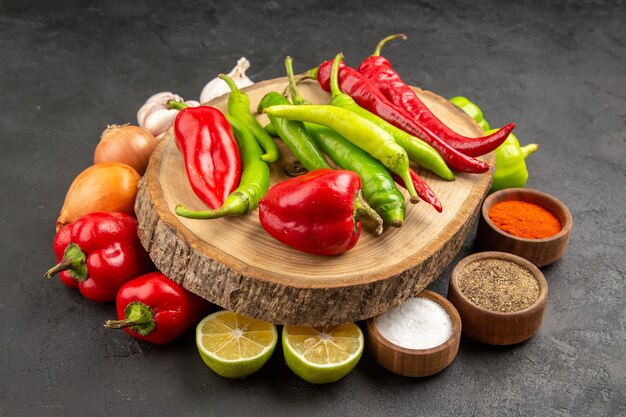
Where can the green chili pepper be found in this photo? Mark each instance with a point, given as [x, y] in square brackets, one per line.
[239, 107]
[511, 171]
[254, 183]
[271, 129]
[361, 132]
[379, 189]
[357, 130]
[294, 134]
[417, 150]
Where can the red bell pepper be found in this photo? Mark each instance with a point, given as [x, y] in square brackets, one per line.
[378, 69]
[211, 155]
[319, 212]
[368, 96]
[156, 309]
[98, 253]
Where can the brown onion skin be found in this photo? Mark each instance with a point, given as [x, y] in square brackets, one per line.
[131, 145]
[106, 186]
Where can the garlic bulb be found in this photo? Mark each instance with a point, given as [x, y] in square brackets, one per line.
[217, 87]
[154, 117]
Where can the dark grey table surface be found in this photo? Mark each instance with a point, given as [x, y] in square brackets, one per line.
[69, 69]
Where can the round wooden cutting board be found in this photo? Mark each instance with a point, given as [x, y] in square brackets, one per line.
[235, 264]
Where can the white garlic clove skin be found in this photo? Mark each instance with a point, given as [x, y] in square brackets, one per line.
[162, 97]
[159, 121]
[146, 110]
[217, 87]
[155, 117]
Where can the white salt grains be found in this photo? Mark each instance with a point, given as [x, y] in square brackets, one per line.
[419, 323]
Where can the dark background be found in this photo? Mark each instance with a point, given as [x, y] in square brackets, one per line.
[70, 68]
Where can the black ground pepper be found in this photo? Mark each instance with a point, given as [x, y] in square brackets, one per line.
[499, 285]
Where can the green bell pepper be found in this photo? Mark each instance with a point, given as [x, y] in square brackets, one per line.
[511, 171]
[471, 109]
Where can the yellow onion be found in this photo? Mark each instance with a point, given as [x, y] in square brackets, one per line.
[107, 186]
[128, 144]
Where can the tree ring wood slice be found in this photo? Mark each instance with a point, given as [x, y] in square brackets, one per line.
[235, 264]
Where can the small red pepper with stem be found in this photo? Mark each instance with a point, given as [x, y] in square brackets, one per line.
[319, 212]
[156, 309]
[378, 69]
[211, 155]
[368, 96]
[98, 253]
[423, 189]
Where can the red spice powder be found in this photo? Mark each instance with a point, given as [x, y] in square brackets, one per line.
[526, 220]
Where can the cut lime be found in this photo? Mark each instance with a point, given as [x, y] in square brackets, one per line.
[233, 345]
[321, 355]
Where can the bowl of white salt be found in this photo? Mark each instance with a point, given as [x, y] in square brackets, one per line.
[419, 338]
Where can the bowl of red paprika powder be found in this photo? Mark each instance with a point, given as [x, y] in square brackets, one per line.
[525, 222]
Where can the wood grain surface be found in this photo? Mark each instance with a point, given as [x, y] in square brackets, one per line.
[234, 263]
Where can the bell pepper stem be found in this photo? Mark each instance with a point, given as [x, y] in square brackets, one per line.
[138, 316]
[231, 84]
[74, 260]
[60, 267]
[334, 76]
[387, 39]
[529, 149]
[363, 211]
[293, 88]
[175, 105]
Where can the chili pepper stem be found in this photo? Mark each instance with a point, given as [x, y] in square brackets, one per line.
[387, 39]
[362, 211]
[74, 260]
[296, 98]
[529, 149]
[175, 105]
[138, 316]
[334, 76]
[231, 84]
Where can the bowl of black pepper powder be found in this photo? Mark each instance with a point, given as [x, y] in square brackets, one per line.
[500, 297]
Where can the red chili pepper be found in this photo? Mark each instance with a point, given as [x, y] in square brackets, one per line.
[156, 309]
[367, 95]
[318, 212]
[423, 190]
[212, 160]
[98, 253]
[378, 69]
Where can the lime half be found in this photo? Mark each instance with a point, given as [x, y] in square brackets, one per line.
[233, 345]
[321, 355]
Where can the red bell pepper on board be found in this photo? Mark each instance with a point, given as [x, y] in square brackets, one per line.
[211, 155]
[98, 253]
[371, 98]
[378, 69]
[154, 308]
[319, 212]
